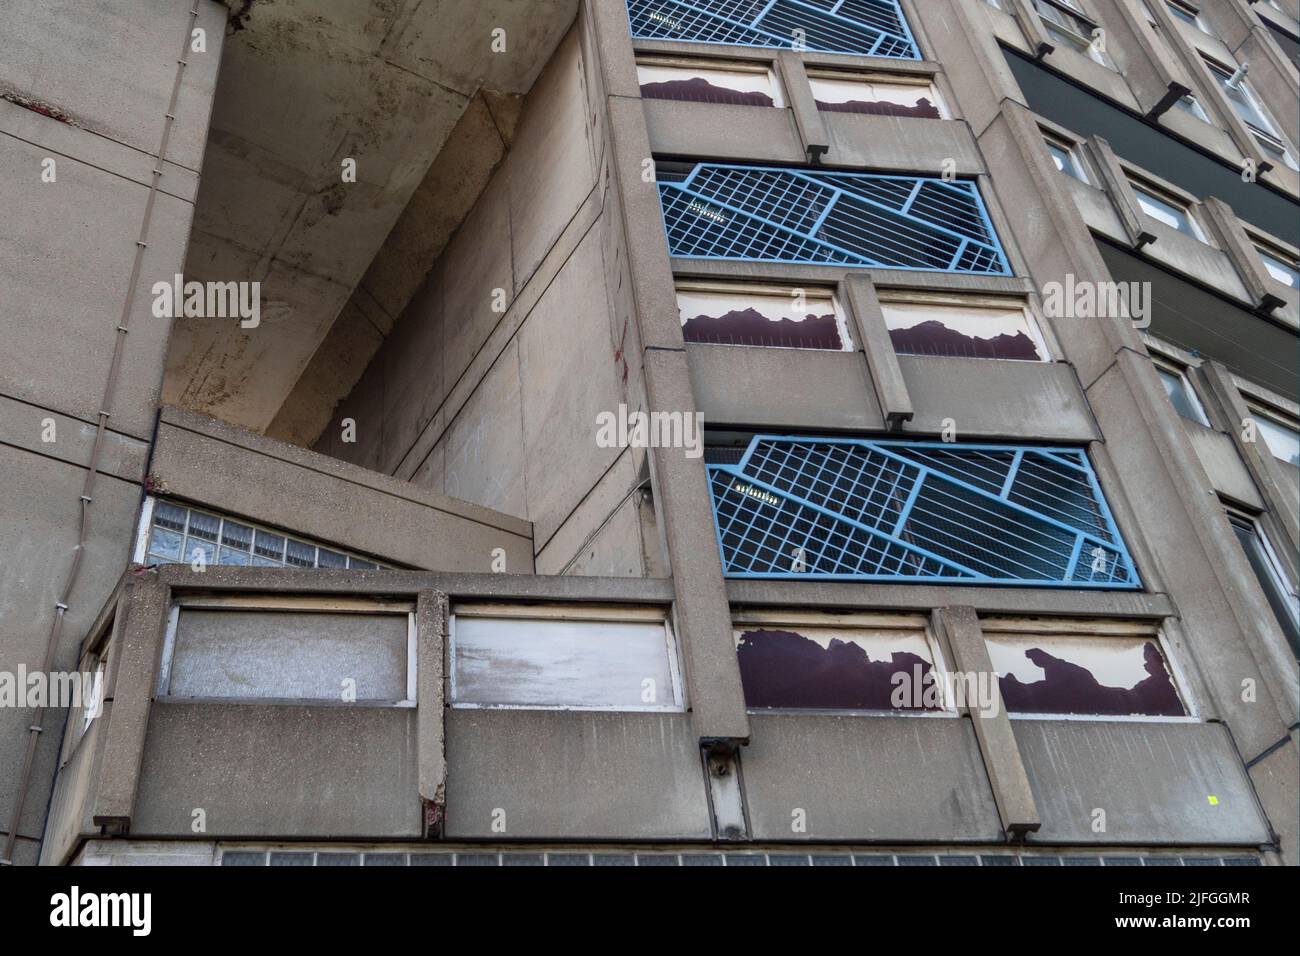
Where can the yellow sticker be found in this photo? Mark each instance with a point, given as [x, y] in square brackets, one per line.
[1214, 801]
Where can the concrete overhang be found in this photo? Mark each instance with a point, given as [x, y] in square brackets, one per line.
[423, 95]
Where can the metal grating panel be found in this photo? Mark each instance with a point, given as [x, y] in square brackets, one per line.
[863, 27]
[863, 510]
[760, 214]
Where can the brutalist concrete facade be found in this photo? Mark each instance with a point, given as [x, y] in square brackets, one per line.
[438, 337]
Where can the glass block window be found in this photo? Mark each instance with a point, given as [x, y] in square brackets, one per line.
[866, 510]
[862, 27]
[761, 214]
[177, 534]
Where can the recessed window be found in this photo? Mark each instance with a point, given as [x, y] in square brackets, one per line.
[1188, 15]
[837, 94]
[175, 534]
[1180, 393]
[794, 318]
[346, 651]
[1082, 669]
[1283, 440]
[1169, 210]
[1281, 596]
[1190, 104]
[564, 658]
[975, 328]
[1064, 24]
[1280, 266]
[1067, 158]
[1251, 111]
[868, 662]
[739, 85]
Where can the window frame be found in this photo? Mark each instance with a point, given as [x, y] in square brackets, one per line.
[274, 603]
[1222, 73]
[1260, 410]
[1142, 186]
[1074, 149]
[1069, 35]
[813, 620]
[1100, 629]
[739, 289]
[974, 300]
[877, 78]
[1171, 367]
[780, 100]
[592, 613]
[1276, 569]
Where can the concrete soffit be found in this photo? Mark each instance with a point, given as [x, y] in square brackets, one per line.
[423, 97]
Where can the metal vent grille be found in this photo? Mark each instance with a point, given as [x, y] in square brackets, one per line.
[863, 27]
[759, 214]
[853, 509]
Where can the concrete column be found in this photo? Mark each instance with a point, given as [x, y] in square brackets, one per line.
[147, 604]
[431, 655]
[1241, 251]
[807, 118]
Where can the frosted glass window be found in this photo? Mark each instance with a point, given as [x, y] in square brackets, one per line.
[737, 87]
[838, 95]
[551, 663]
[283, 655]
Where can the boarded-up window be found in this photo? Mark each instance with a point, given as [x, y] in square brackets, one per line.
[880, 98]
[774, 317]
[738, 85]
[973, 329]
[799, 662]
[572, 658]
[296, 655]
[1096, 668]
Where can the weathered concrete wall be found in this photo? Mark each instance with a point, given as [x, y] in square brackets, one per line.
[489, 386]
[199, 459]
[85, 87]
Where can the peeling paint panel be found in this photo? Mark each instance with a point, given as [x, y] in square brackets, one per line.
[793, 318]
[967, 330]
[1085, 674]
[840, 94]
[564, 659]
[738, 85]
[889, 666]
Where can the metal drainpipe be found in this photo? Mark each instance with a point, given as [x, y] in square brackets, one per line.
[88, 488]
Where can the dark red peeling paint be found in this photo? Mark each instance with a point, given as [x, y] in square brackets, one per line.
[923, 108]
[699, 90]
[751, 327]
[935, 338]
[1067, 688]
[785, 669]
[36, 106]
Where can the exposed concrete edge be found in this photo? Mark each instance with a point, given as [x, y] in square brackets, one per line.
[506, 587]
[840, 596]
[314, 461]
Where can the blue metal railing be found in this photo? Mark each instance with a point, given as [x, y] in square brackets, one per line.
[866, 510]
[862, 27]
[764, 214]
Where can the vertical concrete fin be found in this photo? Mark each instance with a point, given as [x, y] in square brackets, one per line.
[1241, 252]
[431, 647]
[1116, 184]
[959, 627]
[882, 361]
[807, 118]
[726, 791]
[146, 605]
